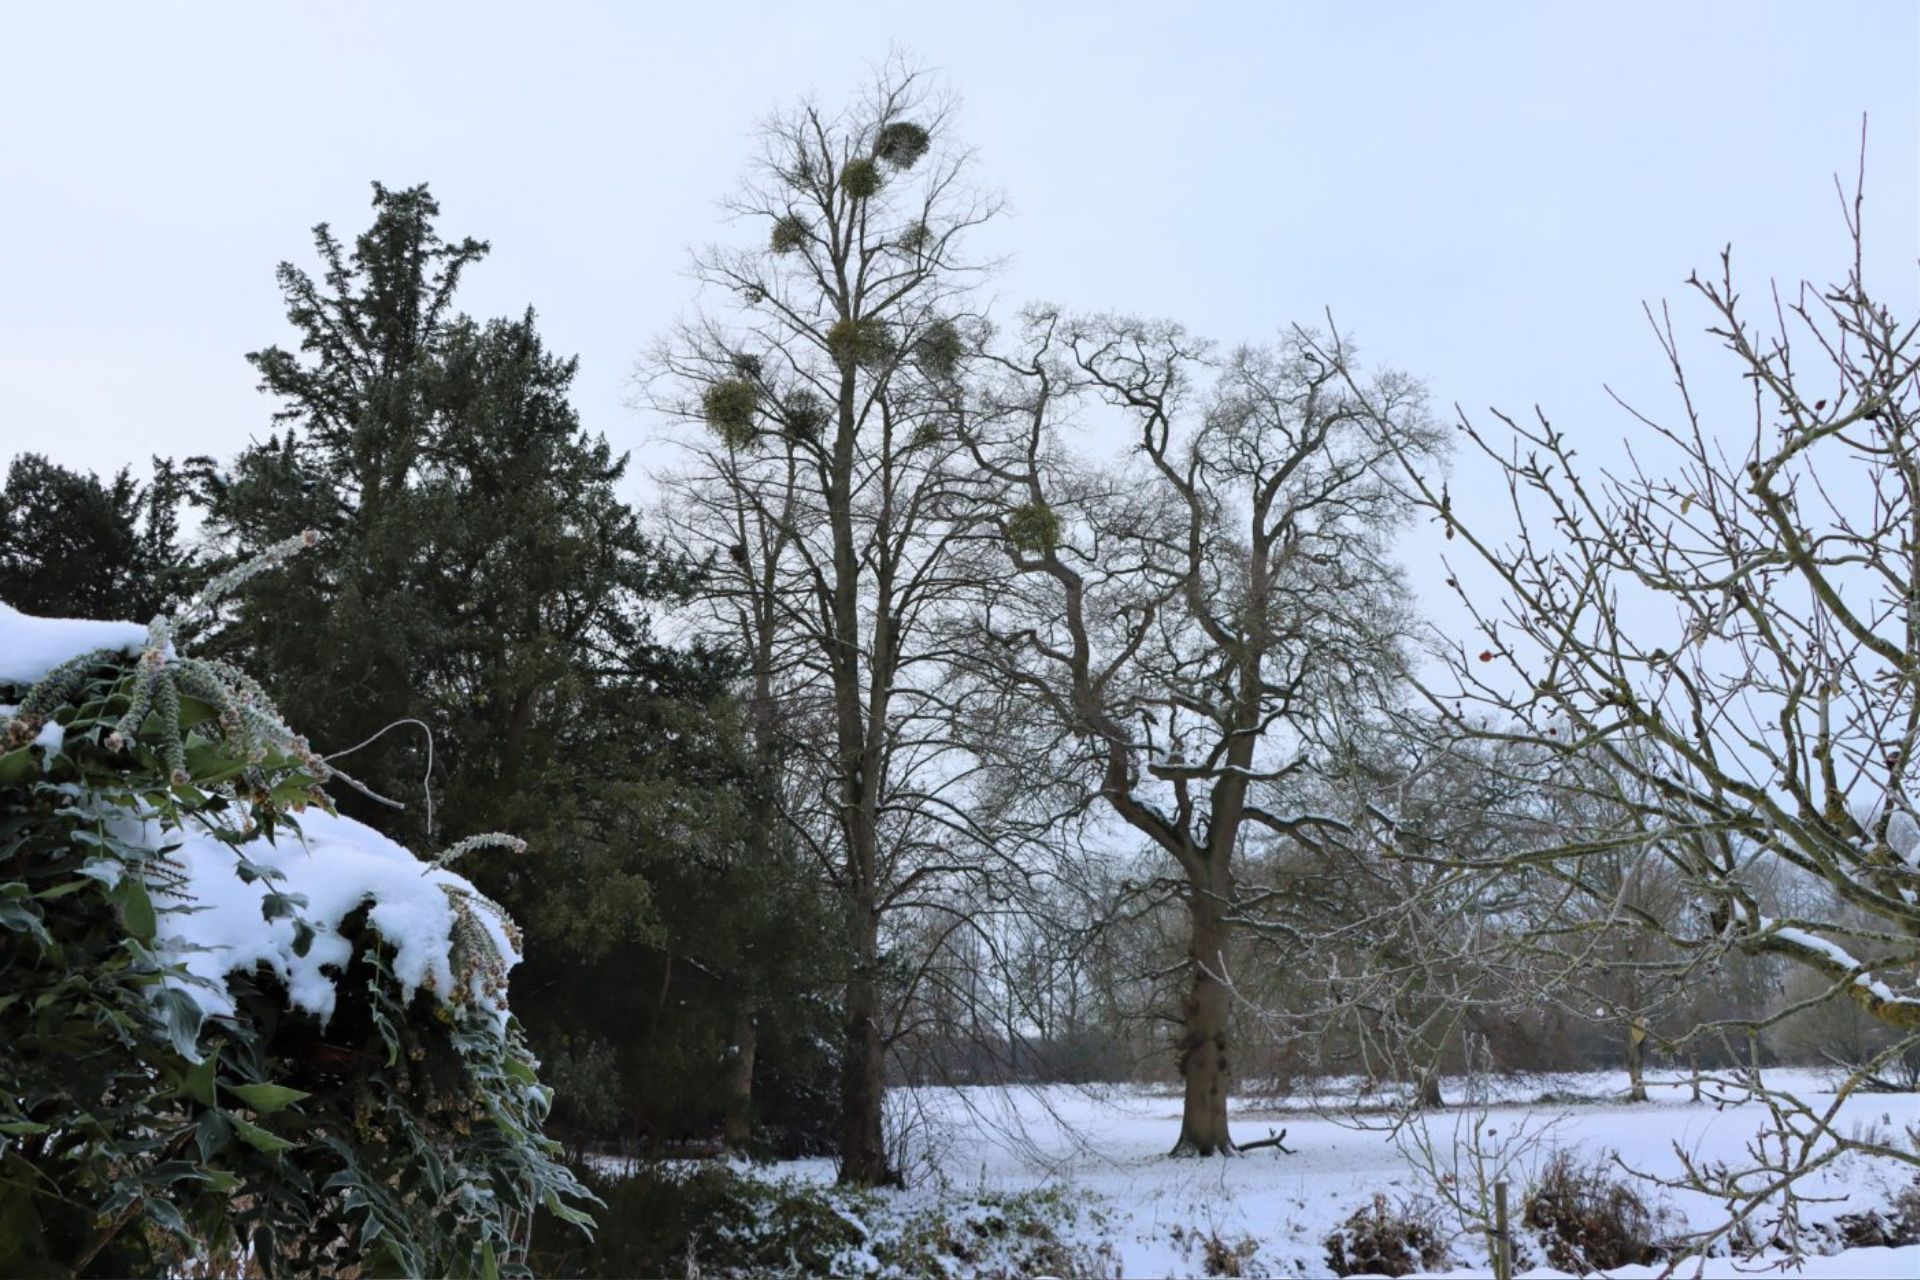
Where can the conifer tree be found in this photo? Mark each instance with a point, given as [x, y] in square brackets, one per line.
[478, 572]
[72, 545]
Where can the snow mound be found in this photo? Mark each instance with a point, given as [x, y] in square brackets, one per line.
[217, 926]
[30, 647]
[337, 865]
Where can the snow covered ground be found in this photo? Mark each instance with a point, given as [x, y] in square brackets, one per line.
[1275, 1210]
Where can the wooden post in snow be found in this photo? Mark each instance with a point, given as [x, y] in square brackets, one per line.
[1502, 1239]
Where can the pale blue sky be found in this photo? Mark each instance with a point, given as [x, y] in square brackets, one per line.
[1485, 193]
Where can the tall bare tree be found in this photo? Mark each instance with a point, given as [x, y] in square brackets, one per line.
[1179, 630]
[829, 487]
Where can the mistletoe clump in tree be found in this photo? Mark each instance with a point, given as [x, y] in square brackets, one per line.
[234, 1025]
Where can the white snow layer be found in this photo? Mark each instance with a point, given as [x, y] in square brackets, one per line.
[337, 865]
[30, 647]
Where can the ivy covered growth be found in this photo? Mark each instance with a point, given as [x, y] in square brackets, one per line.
[1033, 528]
[730, 405]
[165, 1109]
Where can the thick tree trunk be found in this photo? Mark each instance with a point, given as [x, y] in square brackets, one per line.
[863, 1149]
[1431, 1099]
[1636, 1060]
[738, 1130]
[1203, 1039]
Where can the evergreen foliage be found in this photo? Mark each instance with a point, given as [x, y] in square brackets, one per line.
[915, 237]
[73, 546]
[1033, 528]
[478, 572]
[730, 405]
[860, 179]
[400, 1137]
[939, 349]
[789, 233]
[901, 144]
[861, 342]
[803, 414]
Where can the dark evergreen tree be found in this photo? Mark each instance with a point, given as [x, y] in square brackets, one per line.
[478, 572]
[72, 545]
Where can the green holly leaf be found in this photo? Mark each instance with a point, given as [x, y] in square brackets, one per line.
[257, 1138]
[266, 1098]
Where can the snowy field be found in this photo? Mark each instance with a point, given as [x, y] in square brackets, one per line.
[1273, 1211]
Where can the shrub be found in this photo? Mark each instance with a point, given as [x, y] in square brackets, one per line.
[901, 144]
[730, 405]
[721, 1221]
[708, 1220]
[789, 233]
[1387, 1240]
[860, 179]
[1033, 528]
[859, 342]
[1589, 1220]
[163, 1102]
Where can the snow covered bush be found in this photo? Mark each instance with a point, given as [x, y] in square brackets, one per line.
[236, 1028]
[733, 1222]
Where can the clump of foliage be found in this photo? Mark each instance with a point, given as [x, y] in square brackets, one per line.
[1034, 528]
[939, 348]
[789, 233]
[1384, 1239]
[900, 144]
[864, 341]
[400, 1137]
[707, 1220]
[916, 237]
[860, 179]
[1589, 1220]
[802, 415]
[730, 405]
[715, 1220]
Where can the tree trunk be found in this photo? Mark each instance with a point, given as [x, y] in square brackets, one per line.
[1203, 1039]
[1431, 1099]
[1636, 1060]
[738, 1129]
[863, 1148]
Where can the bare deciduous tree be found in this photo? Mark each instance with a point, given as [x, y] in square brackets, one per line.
[1722, 640]
[1177, 631]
